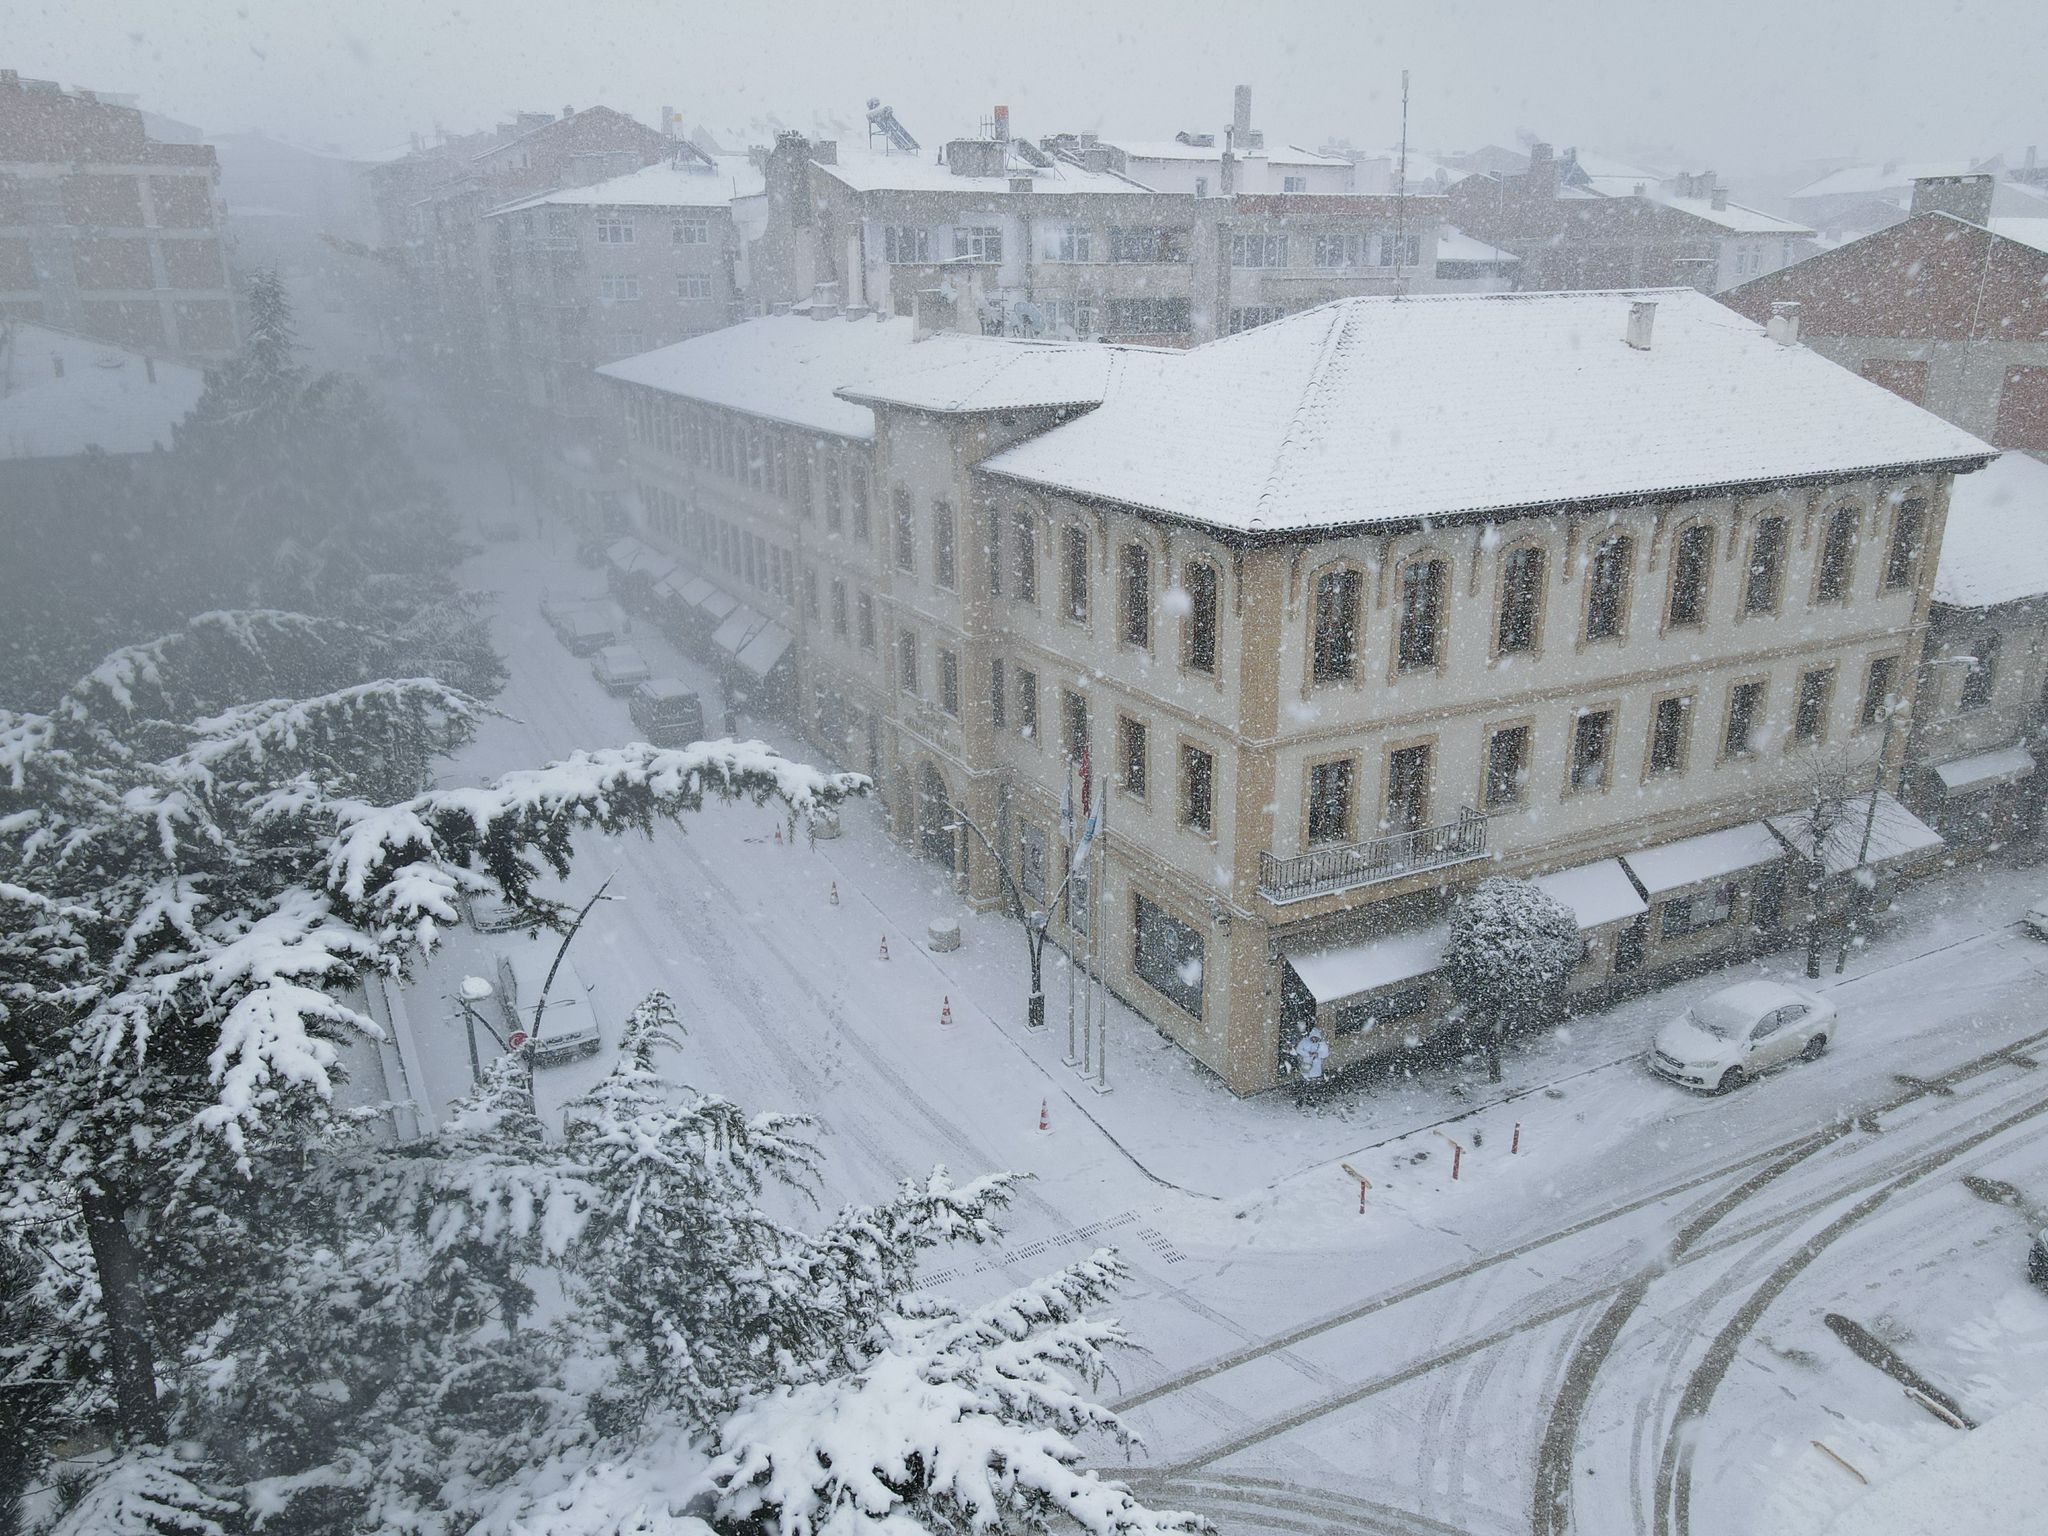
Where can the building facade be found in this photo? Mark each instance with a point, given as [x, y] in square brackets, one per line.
[1573, 228]
[106, 232]
[1333, 669]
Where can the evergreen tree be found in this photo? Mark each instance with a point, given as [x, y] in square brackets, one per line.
[1512, 948]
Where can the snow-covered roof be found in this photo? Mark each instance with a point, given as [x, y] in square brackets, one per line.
[102, 397]
[2001, 765]
[1690, 860]
[1345, 970]
[871, 170]
[1895, 833]
[1995, 549]
[1173, 149]
[1597, 893]
[785, 368]
[2028, 232]
[1364, 412]
[948, 373]
[1456, 245]
[1865, 180]
[662, 185]
[1733, 217]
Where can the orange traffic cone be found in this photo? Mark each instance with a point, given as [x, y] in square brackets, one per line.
[1044, 1124]
[885, 946]
[945, 1010]
[833, 897]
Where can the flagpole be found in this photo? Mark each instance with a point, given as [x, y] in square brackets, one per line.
[1095, 933]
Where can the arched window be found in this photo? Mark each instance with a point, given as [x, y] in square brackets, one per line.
[1902, 559]
[1198, 579]
[1607, 587]
[1766, 560]
[1837, 557]
[1336, 637]
[1074, 573]
[1134, 571]
[1691, 561]
[1521, 600]
[1422, 614]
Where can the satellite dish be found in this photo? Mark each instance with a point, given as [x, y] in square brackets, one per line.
[1029, 319]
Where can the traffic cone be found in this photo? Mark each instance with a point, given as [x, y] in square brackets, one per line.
[885, 946]
[1044, 1124]
[945, 1010]
[834, 896]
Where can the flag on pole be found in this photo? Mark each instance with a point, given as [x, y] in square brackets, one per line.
[1067, 807]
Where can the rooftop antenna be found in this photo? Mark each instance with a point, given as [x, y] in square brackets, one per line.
[1401, 199]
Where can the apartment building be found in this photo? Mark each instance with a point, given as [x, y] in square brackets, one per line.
[588, 274]
[994, 234]
[431, 205]
[1593, 223]
[1336, 663]
[106, 232]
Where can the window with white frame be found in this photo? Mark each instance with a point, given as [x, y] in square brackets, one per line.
[1294, 184]
[1407, 248]
[693, 232]
[1073, 242]
[693, 285]
[614, 229]
[1247, 317]
[1258, 248]
[1077, 315]
[1342, 248]
[978, 242]
[614, 290]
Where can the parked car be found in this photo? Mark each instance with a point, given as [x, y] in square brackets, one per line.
[2036, 917]
[1724, 1040]
[620, 668]
[588, 631]
[568, 1027]
[666, 713]
[490, 914]
[2037, 1260]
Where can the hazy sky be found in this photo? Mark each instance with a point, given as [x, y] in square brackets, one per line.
[1737, 84]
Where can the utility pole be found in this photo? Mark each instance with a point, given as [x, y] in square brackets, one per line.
[1401, 198]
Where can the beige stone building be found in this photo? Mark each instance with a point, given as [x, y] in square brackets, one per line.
[1351, 610]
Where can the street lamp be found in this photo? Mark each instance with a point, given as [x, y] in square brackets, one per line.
[1034, 919]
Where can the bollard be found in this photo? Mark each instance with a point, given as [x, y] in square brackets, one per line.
[833, 897]
[1515, 1145]
[885, 946]
[1457, 1155]
[778, 837]
[1044, 1123]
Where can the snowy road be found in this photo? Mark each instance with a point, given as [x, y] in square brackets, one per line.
[1615, 1329]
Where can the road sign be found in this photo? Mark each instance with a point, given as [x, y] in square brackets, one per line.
[517, 1039]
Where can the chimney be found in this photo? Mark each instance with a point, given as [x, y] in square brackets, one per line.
[567, 113]
[1002, 125]
[1241, 117]
[1642, 314]
[1783, 326]
[825, 152]
[1541, 182]
[1967, 197]
[1720, 198]
[1095, 158]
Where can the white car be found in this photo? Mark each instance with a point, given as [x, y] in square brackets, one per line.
[568, 1027]
[1724, 1040]
[2036, 917]
[620, 669]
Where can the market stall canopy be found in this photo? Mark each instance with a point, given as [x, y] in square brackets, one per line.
[740, 626]
[760, 654]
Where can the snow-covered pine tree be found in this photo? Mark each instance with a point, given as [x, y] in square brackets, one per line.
[1511, 950]
[194, 864]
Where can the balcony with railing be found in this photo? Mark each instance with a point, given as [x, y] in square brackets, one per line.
[1331, 871]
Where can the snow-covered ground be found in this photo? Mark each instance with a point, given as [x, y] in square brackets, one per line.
[1617, 1327]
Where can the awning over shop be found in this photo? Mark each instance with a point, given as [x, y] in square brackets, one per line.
[1985, 769]
[1895, 833]
[766, 648]
[1597, 893]
[1710, 856]
[696, 589]
[717, 604]
[740, 626]
[631, 555]
[1345, 970]
[667, 592]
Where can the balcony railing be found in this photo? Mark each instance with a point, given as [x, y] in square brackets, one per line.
[1326, 871]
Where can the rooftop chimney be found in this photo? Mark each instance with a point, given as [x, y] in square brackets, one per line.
[1002, 124]
[1783, 326]
[1720, 198]
[1967, 197]
[1094, 157]
[1642, 314]
[1241, 117]
[568, 112]
[1542, 179]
